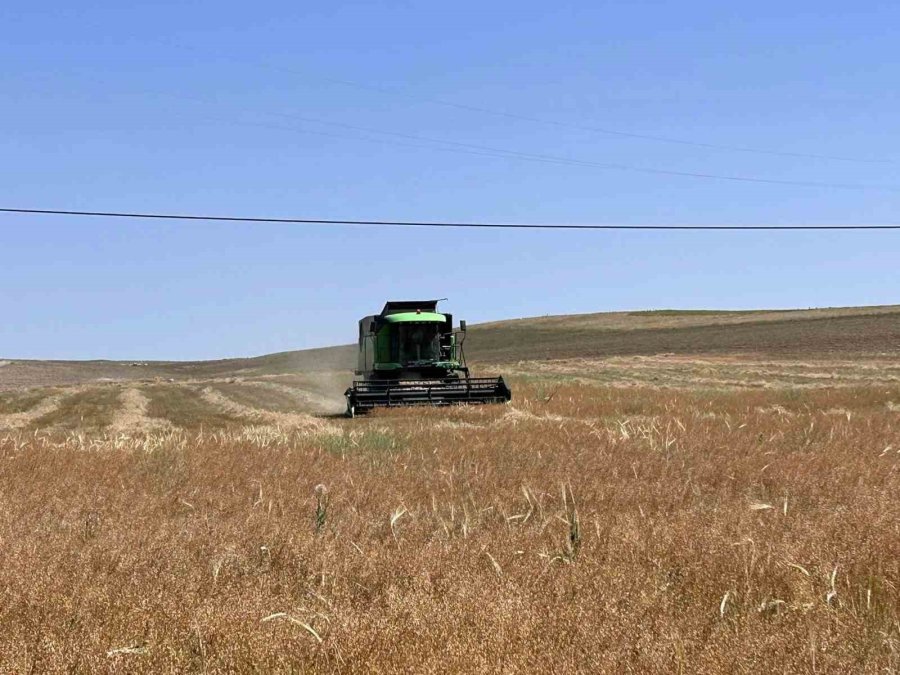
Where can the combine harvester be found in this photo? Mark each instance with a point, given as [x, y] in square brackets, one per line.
[410, 355]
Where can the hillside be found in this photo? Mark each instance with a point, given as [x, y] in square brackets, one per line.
[818, 333]
[833, 333]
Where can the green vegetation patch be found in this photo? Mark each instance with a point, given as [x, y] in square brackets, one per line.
[91, 409]
[370, 441]
[183, 407]
[12, 402]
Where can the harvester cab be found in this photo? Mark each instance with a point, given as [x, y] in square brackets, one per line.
[409, 354]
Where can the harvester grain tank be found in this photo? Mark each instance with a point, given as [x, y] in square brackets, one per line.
[410, 354]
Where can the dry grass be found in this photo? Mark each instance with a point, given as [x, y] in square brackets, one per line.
[131, 415]
[184, 407]
[583, 528]
[266, 398]
[681, 318]
[16, 402]
[83, 410]
[832, 333]
[823, 334]
[729, 372]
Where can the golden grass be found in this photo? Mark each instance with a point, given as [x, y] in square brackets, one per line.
[581, 529]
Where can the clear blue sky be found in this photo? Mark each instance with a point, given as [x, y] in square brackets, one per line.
[196, 108]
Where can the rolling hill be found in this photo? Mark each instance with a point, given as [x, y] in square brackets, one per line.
[832, 333]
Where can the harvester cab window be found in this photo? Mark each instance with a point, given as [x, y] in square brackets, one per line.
[419, 342]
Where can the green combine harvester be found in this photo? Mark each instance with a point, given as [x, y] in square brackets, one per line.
[410, 355]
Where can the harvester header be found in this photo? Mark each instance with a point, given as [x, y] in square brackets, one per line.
[410, 354]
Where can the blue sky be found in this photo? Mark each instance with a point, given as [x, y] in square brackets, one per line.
[234, 108]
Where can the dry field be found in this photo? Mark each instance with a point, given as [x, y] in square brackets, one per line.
[821, 334]
[872, 332]
[667, 492]
[621, 515]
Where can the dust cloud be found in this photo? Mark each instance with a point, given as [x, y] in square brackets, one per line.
[330, 385]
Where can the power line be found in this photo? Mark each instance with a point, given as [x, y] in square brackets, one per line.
[608, 132]
[390, 91]
[413, 223]
[488, 151]
[484, 150]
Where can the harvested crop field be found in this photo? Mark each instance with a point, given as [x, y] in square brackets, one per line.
[652, 500]
[587, 527]
[789, 335]
[847, 333]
